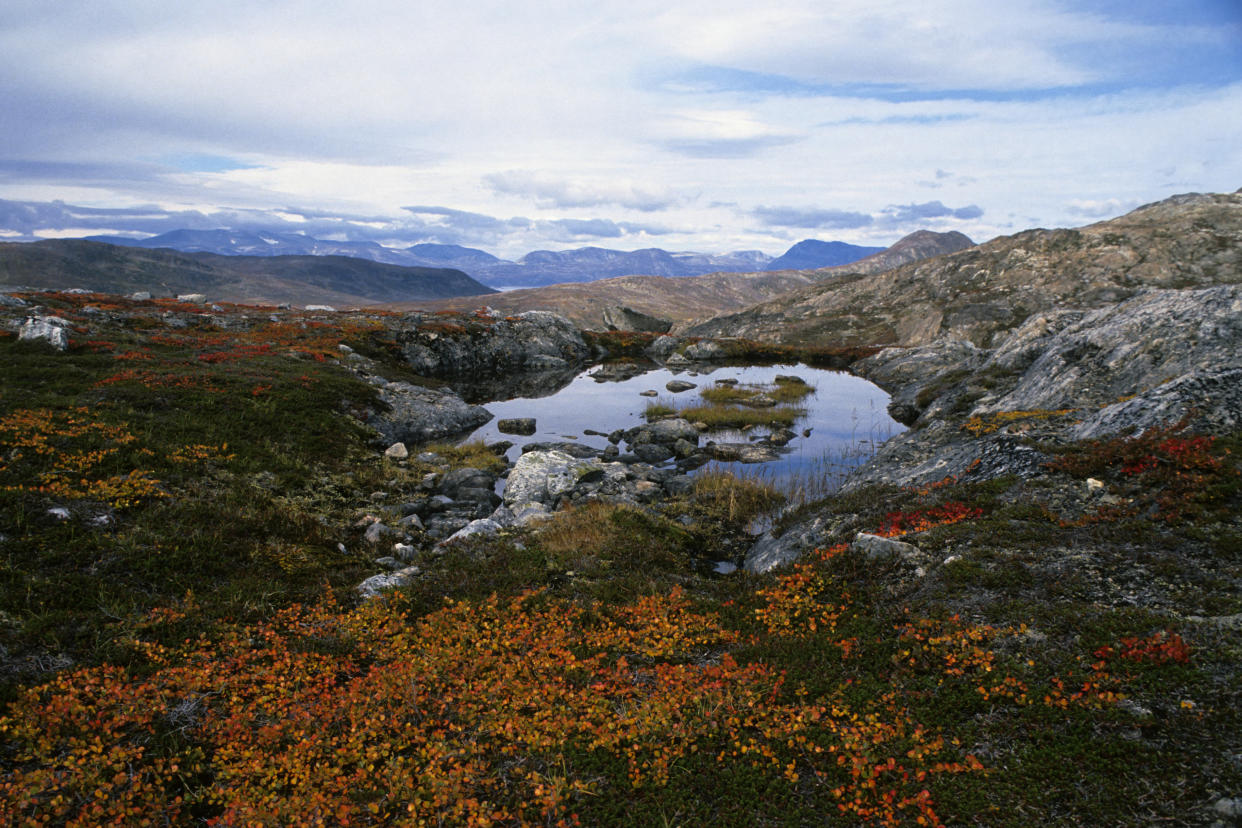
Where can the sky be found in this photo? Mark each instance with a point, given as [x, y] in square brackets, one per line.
[704, 125]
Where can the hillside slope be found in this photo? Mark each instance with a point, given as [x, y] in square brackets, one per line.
[1185, 241]
[96, 266]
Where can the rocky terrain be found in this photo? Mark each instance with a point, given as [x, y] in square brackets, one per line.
[685, 299]
[976, 294]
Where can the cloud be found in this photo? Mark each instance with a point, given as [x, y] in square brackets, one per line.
[891, 217]
[811, 218]
[1102, 208]
[897, 214]
[547, 191]
[722, 133]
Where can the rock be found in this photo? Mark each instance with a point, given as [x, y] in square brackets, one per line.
[192, 298]
[759, 401]
[664, 431]
[51, 329]
[677, 361]
[388, 562]
[772, 550]
[880, 548]
[529, 341]
[482, 527]
[662, 347]
[376, 585]
[621, 318]
[705, 351]
[397, 451]
[652, 452]
[516, 425]
[727, 381]
[411, 521]
[616, 371]
[1229, 808]
[788, 379]
[1215, 397]
[375, 533]
[677, 386]
[649, 393]
[59, 513]
[458, 481]
[500, 448]
[543, 476]
[7, 301]
[417, 414]
[741, 452]
[327, 308]
[582, 452]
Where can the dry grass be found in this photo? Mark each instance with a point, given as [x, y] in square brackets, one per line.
[736, 499]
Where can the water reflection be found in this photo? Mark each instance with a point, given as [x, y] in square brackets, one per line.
[846, 415]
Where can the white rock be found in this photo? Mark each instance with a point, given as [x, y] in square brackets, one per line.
[52, 329]
[377, 584]
[328, 308]
[59, 512]
[192, 298]
[397, 451]
[875, 546]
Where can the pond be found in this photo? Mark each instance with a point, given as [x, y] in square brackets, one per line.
[846, 417]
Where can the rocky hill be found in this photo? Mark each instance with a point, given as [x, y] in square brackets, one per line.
[333, 280]
[1185, 241]
[682, 300]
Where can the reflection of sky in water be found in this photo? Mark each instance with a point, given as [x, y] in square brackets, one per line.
[846, 414]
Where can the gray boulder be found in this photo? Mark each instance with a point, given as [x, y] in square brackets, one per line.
[621, 318]
[544, 476]
[417, 414]
[531, 341]
[705, 351]
[516, 425]
[377, 585]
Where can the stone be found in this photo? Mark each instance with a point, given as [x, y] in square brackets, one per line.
[880, 548]
[397, 451]
[192, 298]
[662, 347]
[484, 527]
[543, 476]
[772, 550]
[621, 318]
[50, 329]
[377, 585]
[705, 351]
[417, 414]
[649, 393]
[677, 386]
[59, 512]
[141, 296]
[652, 452]
[327, 308]
[375, 533]
[531, 341]
[516, 425]
[7, 301]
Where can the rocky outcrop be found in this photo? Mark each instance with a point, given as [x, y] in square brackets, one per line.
[50, 329]
[982, 293]
[532, 341]
[621, 318]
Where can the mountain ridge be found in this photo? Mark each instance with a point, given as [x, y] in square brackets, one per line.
[98, 266]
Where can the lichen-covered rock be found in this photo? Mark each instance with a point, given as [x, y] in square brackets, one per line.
[377, 585]
[543, 476]
[621, 318]
[50, 329]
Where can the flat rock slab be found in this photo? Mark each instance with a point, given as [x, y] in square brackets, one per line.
[516, 425]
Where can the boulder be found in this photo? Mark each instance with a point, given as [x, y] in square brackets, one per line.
[705, 351]
[397, 451]
[50, 329]
[531, 341]
[621, 318]
[677, 386]
[416, 414]
[377, 585]
[881, 548]
[662, 347]
[192, 298]
[516, 425]
[544, 476]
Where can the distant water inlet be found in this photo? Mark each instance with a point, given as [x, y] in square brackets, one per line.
[840, 421]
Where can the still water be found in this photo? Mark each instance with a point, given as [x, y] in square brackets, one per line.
[846, 416]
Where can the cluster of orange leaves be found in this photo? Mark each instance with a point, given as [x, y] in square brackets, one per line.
[920, 520]
[480, 713]
[68, 454]
[1159, 648]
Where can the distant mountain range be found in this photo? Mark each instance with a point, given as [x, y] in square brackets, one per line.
[301, 279]
[682, 300]
[535, 269]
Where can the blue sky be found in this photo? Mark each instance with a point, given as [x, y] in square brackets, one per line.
[710, 125]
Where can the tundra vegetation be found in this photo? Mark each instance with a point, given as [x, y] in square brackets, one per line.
[179, 541]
